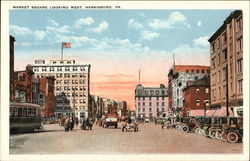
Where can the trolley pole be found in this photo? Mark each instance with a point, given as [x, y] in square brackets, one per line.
[227, 95]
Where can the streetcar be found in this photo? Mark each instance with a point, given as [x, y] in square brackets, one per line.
[25, 117]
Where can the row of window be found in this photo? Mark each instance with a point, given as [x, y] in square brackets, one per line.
[72, 94]
[223, 38]
[149, 98]
[44, 69]
[80, 81]
[24, 112]
[197, 71]
[197, 90]
[61, 75]
[239, 71]
[150, 110]
[198, 102]
[150, 104]
[151, 92]
[219, 94]
[67, 88]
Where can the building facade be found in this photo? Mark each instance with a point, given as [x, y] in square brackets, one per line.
[226, 58]
[71, 80]
[197, 97]
[23, 86]
[151, 102]
[12, 92]
[178, 77]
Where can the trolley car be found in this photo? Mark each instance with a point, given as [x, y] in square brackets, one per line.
[25, 117]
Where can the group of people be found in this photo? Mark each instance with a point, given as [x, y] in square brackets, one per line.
[69, 123]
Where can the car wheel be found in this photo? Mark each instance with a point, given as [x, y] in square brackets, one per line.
[212, 133]
[185, 129]
[232, 137]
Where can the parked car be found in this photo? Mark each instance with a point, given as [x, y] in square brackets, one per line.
[161, 120]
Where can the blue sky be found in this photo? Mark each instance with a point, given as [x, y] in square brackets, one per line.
[117, 43]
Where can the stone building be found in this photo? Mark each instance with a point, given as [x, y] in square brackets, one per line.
[178, 77]
[226, 57]
[151, 101]
[71, 79]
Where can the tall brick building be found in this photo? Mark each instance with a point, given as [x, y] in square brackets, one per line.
[226, 56]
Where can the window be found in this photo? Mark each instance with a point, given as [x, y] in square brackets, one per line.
[139, 98]
[239, 65]
[82, 69]
[162, 98]
[192, 71]
[219, 93]
[66, 68]
[150, 109]
[206, 102]
[29, 111]
[224, 38]
[224, 74]
[197, 90]
[218, 59]
[239, 45]
[157, 109]
[213, 47]
[143, 110]
[74, 68]
[224, 52]
[239, 24]
[202, 71]
[44, 69]
[51, 69]
[197, 102]
[143, 104]
[240, 87]
[150, 98]
[214, 93]
[224, 91]
[150, 103]
[143, 98]
[139, 110]
[187, 71]
[231, 70]
[20, 112]
[218, 42]
[206, 90]
[197, 71]
[218, 76]
[157, 98]
[163, 104]
[157, 104]
[59, 69]
[24, 112]
[213, 62]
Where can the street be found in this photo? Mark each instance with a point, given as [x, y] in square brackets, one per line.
[150, 139]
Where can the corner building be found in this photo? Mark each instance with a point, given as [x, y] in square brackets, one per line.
[226, 57]
[71, 81]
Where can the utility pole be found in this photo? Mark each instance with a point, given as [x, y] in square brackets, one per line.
[227, 95]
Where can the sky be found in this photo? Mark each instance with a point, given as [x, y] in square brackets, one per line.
[117, 43]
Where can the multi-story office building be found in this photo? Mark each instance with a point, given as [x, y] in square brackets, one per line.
[72, 80]
[226, 56]
[178, 77]
[151, 101]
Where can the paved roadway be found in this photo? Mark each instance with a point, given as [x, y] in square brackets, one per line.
[150, 139]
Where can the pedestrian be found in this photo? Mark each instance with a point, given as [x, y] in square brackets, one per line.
[77, 121]
[72, 123]
[66, 124]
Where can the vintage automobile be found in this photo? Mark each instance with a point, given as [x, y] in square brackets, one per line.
[233, 131]
[110, 120]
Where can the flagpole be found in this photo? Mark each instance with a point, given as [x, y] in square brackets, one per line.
[62, 52]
